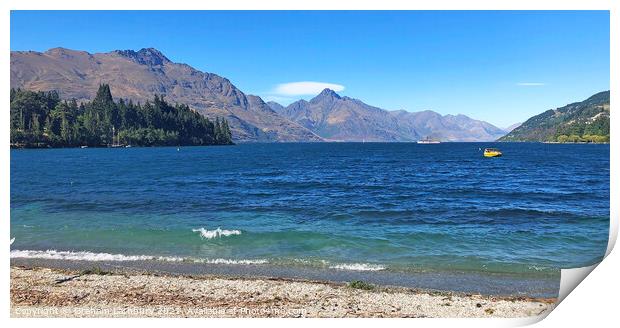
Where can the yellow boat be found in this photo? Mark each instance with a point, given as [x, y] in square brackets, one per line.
[492, 152]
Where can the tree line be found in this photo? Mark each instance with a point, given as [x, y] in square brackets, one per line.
[42, 119]
[585, 131]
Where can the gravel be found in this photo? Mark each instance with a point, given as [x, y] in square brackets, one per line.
[44, 292]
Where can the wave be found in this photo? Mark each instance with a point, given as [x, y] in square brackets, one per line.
[209, 234]
[101, 257]
[538, 268]
[227, 261]
[358, 267]
[86, 256]
[340, 266]
[310, 262]
[107, 257]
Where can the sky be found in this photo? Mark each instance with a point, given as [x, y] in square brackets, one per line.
[500, 67]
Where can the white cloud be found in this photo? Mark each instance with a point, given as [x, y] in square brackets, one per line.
[305, 88]
[530, 84]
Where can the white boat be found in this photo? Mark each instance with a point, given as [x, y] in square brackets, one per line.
[428, 140]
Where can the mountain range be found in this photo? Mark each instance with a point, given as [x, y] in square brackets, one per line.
[585, 121]
[337, 118]
[139, 75]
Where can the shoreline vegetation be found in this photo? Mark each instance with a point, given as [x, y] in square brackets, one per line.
[46, 146]
[43, 120]
[45, 292]
[581, 122]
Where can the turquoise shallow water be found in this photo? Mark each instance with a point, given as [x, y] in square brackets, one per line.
[399, 208]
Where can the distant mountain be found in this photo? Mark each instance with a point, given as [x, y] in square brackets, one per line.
[339, 118]
[448, 127]
[139, 75]
[581, 121]
[275, 106]
[512, 127]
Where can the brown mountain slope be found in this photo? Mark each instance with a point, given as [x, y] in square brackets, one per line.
[447, 127]
[138, 75]
[346, 119]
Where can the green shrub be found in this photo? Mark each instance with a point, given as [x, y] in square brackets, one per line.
[96, 270]
[358, 284]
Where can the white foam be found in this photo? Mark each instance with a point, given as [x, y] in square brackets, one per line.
[537, 268]
[209, 234]
[310, 262]
[98, 257]
[358, 267]
[227, 261]
[84, 256]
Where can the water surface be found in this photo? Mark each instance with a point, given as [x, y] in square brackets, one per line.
[377, 209]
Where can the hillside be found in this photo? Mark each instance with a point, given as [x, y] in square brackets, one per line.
[512, 127]
[585, 121]
[339, 118]
[140, 75]
[42, 119]
[447, 127]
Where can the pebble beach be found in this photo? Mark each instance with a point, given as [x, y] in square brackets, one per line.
[45, 292]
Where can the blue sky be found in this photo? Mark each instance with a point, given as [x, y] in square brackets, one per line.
[501, 67]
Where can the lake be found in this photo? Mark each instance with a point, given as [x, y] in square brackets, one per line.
[431, 216]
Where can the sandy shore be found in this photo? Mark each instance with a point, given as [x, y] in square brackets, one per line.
[44, 292]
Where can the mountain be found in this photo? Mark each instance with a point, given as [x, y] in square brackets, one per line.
[587, 120]
[275, 106]
[512, 127]
[339, 118]
[139, 75]
[448, 127]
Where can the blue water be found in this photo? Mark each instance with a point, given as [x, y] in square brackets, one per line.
[395, 207]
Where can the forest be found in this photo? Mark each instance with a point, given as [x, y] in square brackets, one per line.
[41, 120]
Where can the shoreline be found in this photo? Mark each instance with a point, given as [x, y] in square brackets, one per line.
[490, 284]
[12, 146]
[238, 142]
[38, 291]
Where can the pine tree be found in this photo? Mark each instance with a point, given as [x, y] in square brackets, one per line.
[218, 131]
[226, 132]
[40, 118]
